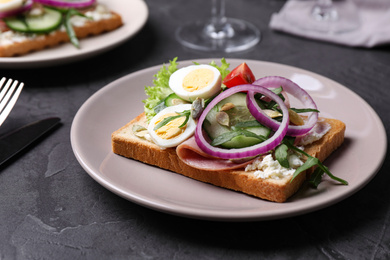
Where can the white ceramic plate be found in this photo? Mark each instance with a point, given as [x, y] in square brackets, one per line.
[134, 15]
[357, 161]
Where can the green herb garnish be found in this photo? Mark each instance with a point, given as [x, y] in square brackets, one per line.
[272, 105]
[316, 177]
[69, 28]
[310, 162]
[168, 119]
[281, 155]
[304, 110]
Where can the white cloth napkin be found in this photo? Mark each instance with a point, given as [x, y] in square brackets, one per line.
[373, 15]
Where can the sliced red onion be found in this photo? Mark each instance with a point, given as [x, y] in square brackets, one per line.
[294, 90]
[23, 8]
[250, 151]
[64, 3]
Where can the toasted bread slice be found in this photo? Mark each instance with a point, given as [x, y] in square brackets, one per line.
[32, 43]
[125, 143]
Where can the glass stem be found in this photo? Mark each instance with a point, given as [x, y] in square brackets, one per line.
[219, 28]
[218, 13]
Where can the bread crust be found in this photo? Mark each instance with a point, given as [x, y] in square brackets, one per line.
[60, 36]
[126, 144]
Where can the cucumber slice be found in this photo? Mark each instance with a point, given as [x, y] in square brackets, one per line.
[49, 21]
[240, 112]
[254, 127]
[237, 114]
[16, 24]
[241, 141]
[173, 100]
[212, 127]
[238, 99]
[260, 130]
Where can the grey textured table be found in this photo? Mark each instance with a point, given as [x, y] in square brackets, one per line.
[50, 208]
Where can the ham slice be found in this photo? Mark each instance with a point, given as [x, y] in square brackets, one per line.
[190, 153]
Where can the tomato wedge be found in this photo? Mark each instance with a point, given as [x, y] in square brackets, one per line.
[242, 74]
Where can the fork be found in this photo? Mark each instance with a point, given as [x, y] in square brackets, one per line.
[8, 96]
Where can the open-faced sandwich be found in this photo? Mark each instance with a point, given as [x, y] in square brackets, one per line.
[231, 130]
[32, 25]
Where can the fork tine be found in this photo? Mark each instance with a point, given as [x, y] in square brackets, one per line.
[8, 93]
[5, 89]
[8, 103]
[2, 81]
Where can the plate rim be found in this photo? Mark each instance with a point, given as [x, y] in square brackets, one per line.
[222, 216]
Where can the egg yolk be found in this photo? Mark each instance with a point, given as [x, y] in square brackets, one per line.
[171, 129]
[197, 79]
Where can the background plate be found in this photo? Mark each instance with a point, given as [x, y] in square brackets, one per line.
[357, 161]
[134, 15]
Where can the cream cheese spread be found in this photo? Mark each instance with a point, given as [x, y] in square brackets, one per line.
[315, 134]
[10, 37]
[101, 12]
[269, 168]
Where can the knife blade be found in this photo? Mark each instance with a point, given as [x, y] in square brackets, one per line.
[14, 142]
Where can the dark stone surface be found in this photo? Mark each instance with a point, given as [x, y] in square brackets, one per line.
[51, 209]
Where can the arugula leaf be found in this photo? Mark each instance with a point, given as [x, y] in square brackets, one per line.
[252, 123]
[310, 162]
[168, 119]
[69, 27]
[289, 140]
[269, 104]
[225, 137]
[274, 106]
[316, 177]
[304, 110]
[281, 153]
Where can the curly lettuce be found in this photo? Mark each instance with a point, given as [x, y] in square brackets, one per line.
[223, 69]
[160, 88]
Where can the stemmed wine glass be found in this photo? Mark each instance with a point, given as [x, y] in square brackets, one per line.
[220, 33]
[328, 16]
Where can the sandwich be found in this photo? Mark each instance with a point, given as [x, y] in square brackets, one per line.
[231, 130]
[33, 25]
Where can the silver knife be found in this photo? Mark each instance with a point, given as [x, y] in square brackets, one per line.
[16, 141]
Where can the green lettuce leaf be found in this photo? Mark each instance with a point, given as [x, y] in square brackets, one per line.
[223, 69]
[160, 88]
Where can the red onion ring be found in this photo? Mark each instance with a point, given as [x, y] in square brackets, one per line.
[245, 152]
[294, 90]
[64, 3]
[23, 8]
